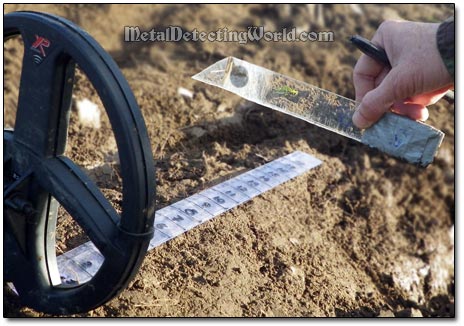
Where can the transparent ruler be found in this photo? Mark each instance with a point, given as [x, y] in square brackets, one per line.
[82, 263]
[398, 136]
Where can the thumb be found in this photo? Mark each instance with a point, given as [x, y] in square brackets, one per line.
[394, 87]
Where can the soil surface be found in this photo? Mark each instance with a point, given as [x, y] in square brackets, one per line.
[364, 234]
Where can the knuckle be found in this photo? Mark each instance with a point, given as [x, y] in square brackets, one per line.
[387, 25]
[385, 30]
[384, 27]
[371, 108]
[360, 76]
[358, 67]
[357, 77]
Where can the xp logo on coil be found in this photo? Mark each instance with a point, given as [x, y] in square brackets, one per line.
[39, 46]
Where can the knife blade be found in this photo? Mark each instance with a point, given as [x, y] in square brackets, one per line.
[396, 135]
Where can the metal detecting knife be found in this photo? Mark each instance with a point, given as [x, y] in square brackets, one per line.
[396, 135]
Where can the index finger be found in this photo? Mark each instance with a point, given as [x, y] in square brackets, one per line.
[365, 73]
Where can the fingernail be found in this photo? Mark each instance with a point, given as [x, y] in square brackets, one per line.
[359, 121]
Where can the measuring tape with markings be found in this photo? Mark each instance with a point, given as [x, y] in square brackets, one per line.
[82, 263]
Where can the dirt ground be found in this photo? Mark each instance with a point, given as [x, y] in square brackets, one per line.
[362, 235]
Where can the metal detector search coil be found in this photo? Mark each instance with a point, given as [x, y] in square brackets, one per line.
[37, 175]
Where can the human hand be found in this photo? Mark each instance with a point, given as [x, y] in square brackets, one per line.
[417, 77]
